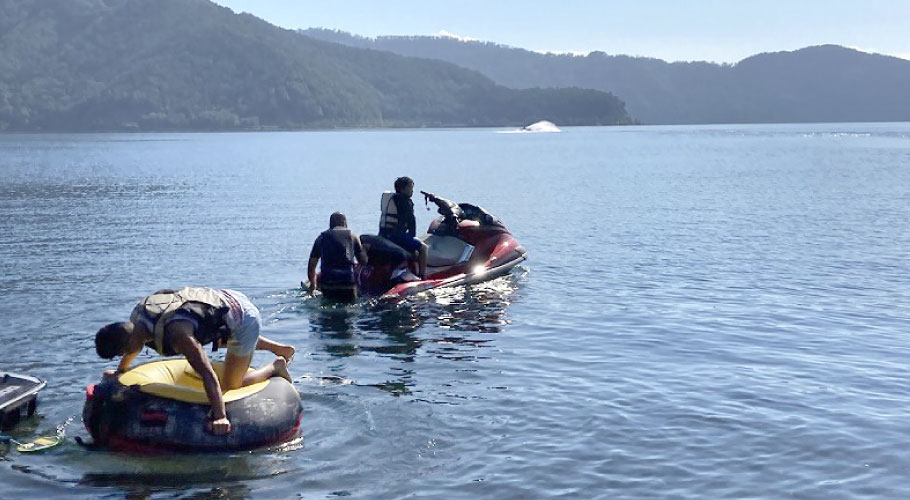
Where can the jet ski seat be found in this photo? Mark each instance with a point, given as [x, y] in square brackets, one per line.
[381, 250]
[444, 251]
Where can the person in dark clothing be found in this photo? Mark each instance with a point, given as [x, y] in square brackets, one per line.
[337, 247]
[399, 225]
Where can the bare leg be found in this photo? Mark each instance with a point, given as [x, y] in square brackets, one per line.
[277, 348]
[422, 261]
[235, 368]
[236, 375]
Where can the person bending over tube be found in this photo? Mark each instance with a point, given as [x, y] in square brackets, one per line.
[181, 322]
[337, 247]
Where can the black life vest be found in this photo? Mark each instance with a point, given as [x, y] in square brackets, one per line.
[337, 254]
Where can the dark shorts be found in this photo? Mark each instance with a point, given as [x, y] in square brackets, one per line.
[340, 294]
[338, 277]
[404, 241]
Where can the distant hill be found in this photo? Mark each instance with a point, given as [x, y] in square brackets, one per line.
[86, 65]
[826, 83]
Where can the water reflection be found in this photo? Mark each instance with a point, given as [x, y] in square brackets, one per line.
[92, 190]
[478, 308]
[443, 323]
[144, 476]
[141, 476]
[143, 486]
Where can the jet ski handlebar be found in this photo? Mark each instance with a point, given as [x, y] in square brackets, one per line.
[448, 209]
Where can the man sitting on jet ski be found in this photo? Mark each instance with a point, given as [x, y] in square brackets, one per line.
[399, 225]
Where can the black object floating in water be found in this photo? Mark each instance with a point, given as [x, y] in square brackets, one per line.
[18, 398]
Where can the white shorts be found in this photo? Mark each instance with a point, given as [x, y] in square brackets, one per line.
[243, 323]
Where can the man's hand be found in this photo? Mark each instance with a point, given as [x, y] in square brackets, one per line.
[183, 341]
[311, 267]
[221, 426]
[109, 373]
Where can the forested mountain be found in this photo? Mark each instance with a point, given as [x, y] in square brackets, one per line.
[82, 65]
[823, 83]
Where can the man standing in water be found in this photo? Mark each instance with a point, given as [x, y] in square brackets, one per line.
[337, 247]
[399, 225]
[181, 322]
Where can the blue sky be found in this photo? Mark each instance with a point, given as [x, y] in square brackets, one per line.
[713, 30]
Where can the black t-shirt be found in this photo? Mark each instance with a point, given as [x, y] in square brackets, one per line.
[407, 223]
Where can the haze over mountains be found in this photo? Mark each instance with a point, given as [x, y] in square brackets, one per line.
[814, 84]
[86, 65]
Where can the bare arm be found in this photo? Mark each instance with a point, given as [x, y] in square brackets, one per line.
[361, 254]
[182, 339]
[311, 273]
[127, 360]
[315, 253]
[135, 347]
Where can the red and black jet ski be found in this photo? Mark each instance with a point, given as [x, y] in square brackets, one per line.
[466, 244]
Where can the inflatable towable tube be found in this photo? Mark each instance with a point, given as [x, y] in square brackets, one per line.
[162, 406]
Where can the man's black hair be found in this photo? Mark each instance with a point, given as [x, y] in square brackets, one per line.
[402, 182]
[338, 220]
[111, 340]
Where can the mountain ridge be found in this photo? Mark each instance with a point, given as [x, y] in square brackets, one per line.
[818, 83]
[110, 65]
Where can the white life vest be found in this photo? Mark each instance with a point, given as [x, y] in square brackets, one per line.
[388, 221]
[155, 310]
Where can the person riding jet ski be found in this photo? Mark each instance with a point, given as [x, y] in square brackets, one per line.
[398, 223]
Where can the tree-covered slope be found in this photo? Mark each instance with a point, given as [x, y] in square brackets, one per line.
[79, 65]
[824, 83]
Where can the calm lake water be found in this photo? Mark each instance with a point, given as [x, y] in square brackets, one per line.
[707, 312]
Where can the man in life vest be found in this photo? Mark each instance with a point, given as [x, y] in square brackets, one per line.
[399, 225]
[181, 322]
[337, 247]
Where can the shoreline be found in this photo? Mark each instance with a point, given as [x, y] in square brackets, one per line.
[427, 128]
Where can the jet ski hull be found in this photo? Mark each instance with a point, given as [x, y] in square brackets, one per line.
[507, 254]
